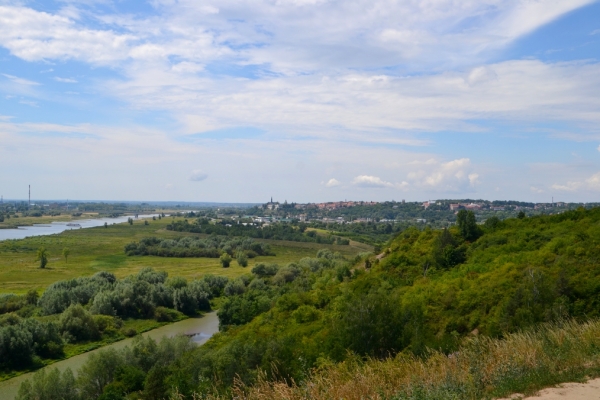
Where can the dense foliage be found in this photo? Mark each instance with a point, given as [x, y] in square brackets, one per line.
[109, 374]
[213, 246]
[279, 231]
[90, 308]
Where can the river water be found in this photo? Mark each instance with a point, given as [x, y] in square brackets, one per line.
[201, 329]
[57, 227]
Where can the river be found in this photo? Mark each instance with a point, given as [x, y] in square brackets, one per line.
[57, 227]
[201, 328]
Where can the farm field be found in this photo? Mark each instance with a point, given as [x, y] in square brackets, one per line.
[101, 249]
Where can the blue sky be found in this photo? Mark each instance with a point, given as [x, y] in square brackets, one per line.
[302, 100]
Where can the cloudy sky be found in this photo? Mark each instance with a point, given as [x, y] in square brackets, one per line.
[302, 100]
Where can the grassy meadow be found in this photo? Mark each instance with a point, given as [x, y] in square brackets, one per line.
[101, 249]
[10, 223]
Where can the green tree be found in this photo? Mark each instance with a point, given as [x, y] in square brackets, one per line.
[521, 215]
[106, 224]
[42, 257]
[242, 259]
[130, 221]
[66, 252]
[225, 260]
[467, 225]
[49, 386]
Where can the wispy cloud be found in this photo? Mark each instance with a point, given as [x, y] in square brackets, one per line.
[30, 103]
[592, 183]
[198, 175]
[20, 81]
[65, 80]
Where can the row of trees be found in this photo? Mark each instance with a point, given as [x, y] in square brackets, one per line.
[213, 246]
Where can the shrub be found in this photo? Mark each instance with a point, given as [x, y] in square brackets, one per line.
[77, 323]
[225, 260]
[242, 259]
[163, 314]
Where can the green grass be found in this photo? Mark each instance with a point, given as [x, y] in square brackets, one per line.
[101, 249]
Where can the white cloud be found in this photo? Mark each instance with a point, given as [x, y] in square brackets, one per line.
[198, 175]
[333, 183]
[65, 80]
[598, 148]
[536, 189]
[315, 49]
[368, 181]
[452, 176]
[590, 184]
[593, 182]
[20, 81]
[361, 106]
[595, 32]
[473, 179]
[285, 36]
[29, 103]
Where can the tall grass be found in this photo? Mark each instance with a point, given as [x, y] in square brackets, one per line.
[482, 368]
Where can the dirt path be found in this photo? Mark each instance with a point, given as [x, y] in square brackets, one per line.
[569, 391]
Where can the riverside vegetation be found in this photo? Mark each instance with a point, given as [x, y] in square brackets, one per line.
[71, 315]
[475, 311]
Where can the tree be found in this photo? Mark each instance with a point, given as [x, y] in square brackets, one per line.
[130, 221]
[521, 215]
[65, 254]
[225, 260]
[42, 257]
[106, 224]
[467, 225]
[242, 259]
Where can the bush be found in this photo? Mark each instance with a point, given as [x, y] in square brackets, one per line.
[107, 324]
[242, 259]
[78, 324]
[265, 270]
[225, 260]
[129, 332]
[163, 314]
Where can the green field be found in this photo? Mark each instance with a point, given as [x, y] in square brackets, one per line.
[14, 222]
[101, 249]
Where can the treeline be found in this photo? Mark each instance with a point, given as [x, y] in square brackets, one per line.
[92, 308]
[213, 247]
[278, 231]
